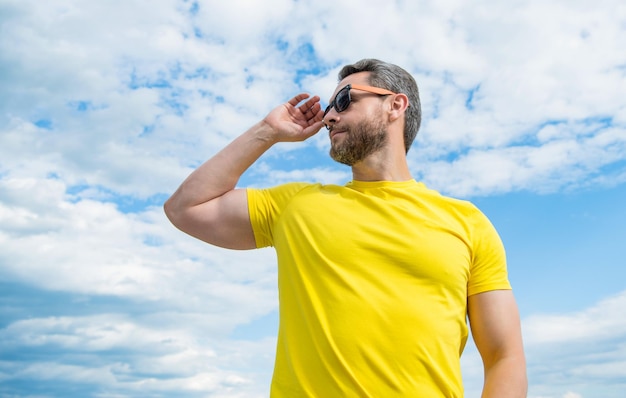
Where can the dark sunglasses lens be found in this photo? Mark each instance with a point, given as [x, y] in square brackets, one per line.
[342, 101]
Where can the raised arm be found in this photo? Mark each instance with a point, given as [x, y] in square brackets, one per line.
[495, 324]
[207, 205]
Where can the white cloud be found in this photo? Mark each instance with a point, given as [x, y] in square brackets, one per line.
[572, 395]
[571, 156]
[172, 357]
[572, 355]
[522, 80]
[584, 350]
[107, 102]
[89, 247]
[598, 322]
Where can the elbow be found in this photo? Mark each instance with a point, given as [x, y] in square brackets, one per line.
[180, 215]
[172, 212]
[506, 377]
[167, 207]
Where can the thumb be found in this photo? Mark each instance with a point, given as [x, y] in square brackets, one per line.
[313, 129]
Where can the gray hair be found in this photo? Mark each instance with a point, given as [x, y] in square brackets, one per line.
[398, 80]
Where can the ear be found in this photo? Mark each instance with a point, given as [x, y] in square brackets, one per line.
[398, 106]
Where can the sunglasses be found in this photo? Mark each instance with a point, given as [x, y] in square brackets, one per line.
[342, 100]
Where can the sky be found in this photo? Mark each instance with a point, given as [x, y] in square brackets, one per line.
[105, 107]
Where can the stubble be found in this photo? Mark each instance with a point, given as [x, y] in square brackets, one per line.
[360, 141]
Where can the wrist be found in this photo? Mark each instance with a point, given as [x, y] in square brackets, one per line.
[264, 132]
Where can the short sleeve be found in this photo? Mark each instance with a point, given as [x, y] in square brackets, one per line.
[488, 270]
[265, 206]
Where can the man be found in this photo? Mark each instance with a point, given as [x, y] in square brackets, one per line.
[376, 277]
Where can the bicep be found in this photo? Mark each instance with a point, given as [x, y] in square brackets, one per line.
[223, 221]
[494, 319]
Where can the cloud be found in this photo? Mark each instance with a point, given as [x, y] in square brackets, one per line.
[114, 354]
[583, 351]
[568, 156]
[598, 322]
[579, 354]
[106, 107]
[89, 247]
[167, 91]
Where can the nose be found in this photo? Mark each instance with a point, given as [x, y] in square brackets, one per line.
[330, 118]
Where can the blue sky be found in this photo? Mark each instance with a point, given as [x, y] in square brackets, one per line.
[105, 107]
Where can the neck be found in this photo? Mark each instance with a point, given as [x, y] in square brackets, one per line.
[382, 166]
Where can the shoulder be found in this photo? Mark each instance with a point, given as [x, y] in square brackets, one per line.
[288, 189]
[280, 195]
[461, 208]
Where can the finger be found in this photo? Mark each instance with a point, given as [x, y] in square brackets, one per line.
[297, 99]
[313, 129]
[319, 115]
[310, 103]
[311, 112]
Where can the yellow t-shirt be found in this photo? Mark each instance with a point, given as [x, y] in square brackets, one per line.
[373, 281]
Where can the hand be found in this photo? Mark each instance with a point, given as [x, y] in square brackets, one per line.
[296, 120]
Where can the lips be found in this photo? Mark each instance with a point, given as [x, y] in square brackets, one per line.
[334, 132]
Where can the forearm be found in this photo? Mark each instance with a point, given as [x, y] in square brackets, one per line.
[506, 378]
[221, 173]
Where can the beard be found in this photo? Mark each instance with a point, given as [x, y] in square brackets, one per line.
[359, 142]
